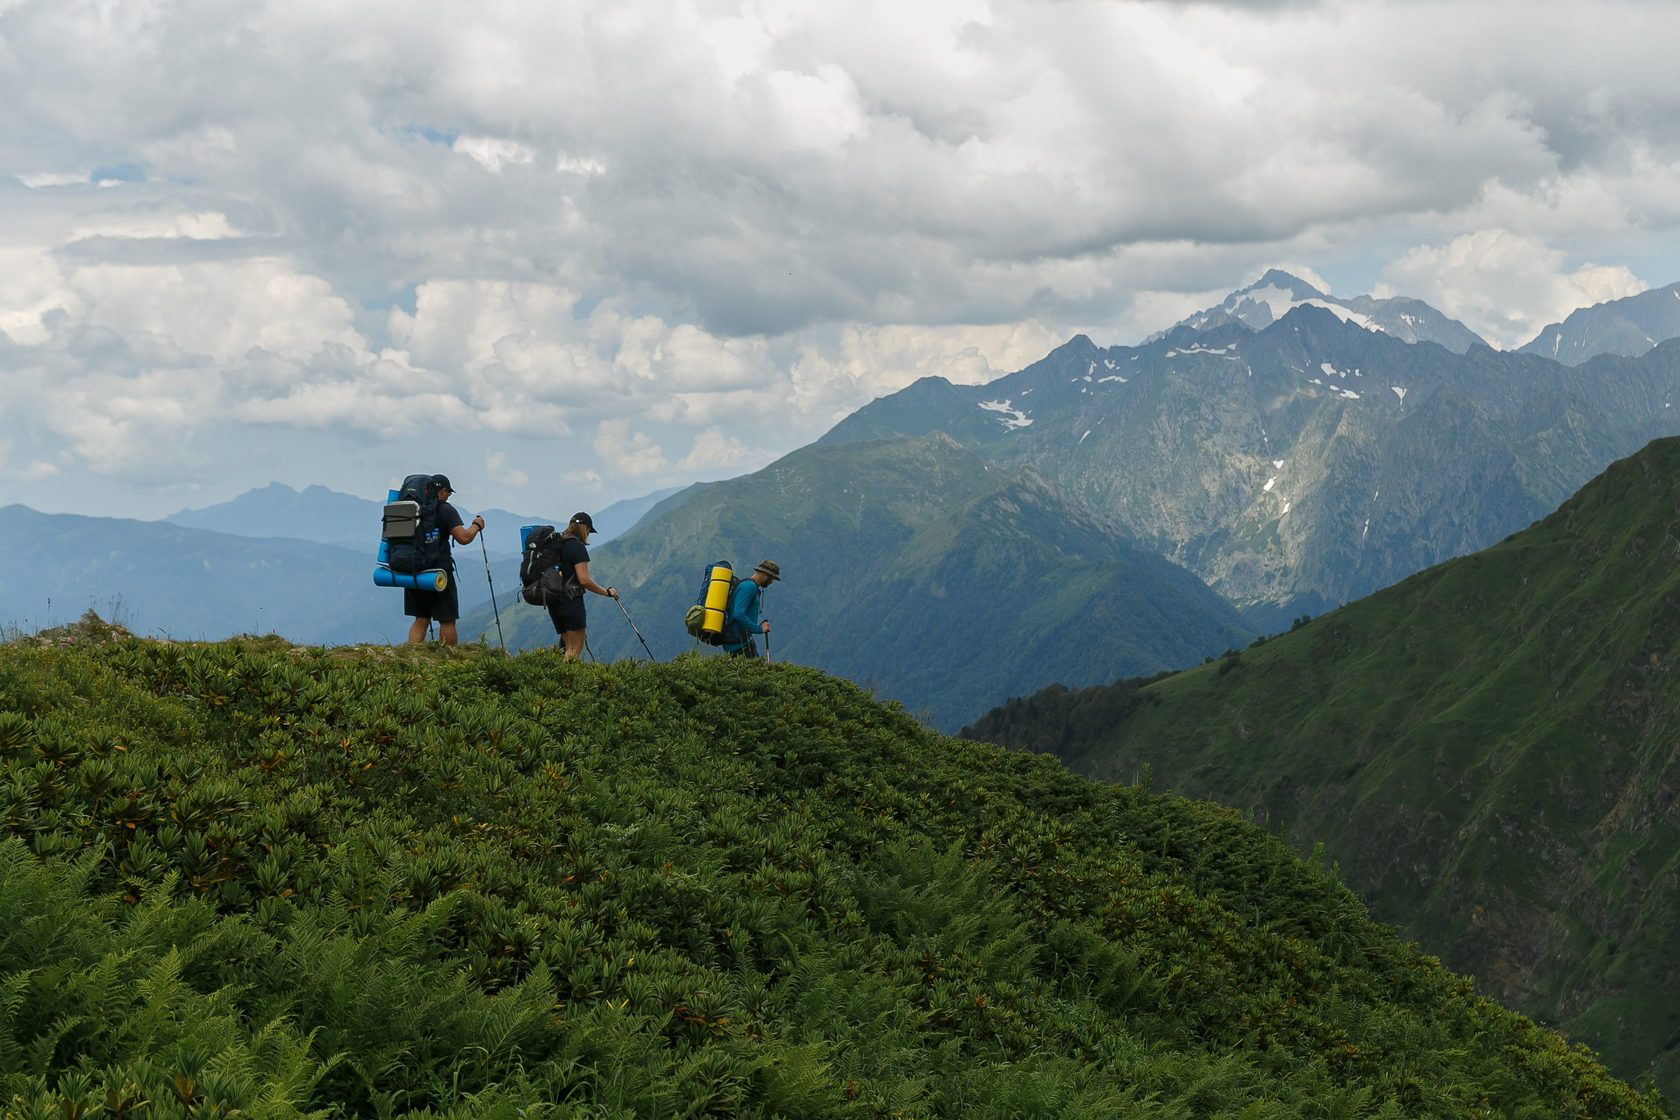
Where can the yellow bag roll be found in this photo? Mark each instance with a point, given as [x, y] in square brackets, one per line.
[717, 598]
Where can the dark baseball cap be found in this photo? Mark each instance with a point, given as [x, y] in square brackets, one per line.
[583, 519]
[442, 482]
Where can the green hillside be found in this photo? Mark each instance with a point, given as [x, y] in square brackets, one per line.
[1488, 749]
[249, 879]
[911, 565]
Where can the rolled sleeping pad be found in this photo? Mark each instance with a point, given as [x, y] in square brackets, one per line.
[435, 580]
[524, 533]
[717, 597]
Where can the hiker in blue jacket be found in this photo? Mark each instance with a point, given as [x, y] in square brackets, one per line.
[743, 610]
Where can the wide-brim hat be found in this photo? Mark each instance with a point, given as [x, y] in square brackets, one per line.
[769, 568]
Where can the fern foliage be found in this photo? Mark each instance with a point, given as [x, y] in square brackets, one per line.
[268, 881]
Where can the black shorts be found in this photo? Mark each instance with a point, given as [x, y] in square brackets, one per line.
[439, 606]
[568, 614]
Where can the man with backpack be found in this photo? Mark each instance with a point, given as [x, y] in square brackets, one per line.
[744, 605]
[445, 605]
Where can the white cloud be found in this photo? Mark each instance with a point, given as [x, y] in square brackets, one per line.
[625, 452]
[714, 451]
[721, 227]
[495, 466]
[40, 179]
[494, 153]
[221, 309]
[1504, 286]
[203, 225]
[35, 471]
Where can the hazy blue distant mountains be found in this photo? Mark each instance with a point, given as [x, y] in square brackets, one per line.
[319, 514]
[185, 583]
[273, 560]
[1628, 327]
[190, 583]
[1277, 293]
[913, 566]
[276, 510]
[1487, 749]
[1305, 464]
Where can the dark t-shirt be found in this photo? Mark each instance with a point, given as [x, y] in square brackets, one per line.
[448, 521]
[572, 553]
[569, 614]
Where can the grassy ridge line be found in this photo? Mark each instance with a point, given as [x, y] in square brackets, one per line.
[293, 881]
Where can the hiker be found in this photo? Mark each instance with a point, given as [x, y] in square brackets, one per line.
[743, 609]
[568, 614]
[445, 605]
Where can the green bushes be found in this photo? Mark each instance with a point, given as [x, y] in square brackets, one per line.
[293, 881]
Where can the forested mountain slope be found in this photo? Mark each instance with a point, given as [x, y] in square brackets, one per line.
[268, 881]
[1488, 749]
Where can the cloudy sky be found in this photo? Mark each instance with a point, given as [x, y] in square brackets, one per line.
[571, 252]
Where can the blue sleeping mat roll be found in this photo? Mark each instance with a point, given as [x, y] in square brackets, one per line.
[434, 580]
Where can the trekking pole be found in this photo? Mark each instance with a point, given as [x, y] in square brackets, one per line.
[493, 605]
[590, 652]
[635, 631]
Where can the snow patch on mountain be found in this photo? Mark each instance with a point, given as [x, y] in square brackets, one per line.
[1229, 353]
[1011, 417]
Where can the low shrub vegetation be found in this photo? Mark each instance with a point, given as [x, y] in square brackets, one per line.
[260, 880]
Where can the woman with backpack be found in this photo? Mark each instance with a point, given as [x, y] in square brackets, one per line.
[567, 612]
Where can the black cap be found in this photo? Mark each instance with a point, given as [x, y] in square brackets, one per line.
[442, 482]
[583, 519]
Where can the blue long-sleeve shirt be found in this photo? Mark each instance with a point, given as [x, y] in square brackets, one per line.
[743, 612]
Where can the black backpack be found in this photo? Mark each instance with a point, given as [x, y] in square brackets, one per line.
[542, 582]
[414, 542]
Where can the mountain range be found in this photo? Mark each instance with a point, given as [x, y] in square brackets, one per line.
[318, 514]
[914, 566]
[167, 580]
[1290, 464]
[1305, 464]
[1628, 327]
[272, 560]
[1487, 749]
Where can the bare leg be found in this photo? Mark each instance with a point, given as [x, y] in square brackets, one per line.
[417, 630]
[573, 641]
[446, 633]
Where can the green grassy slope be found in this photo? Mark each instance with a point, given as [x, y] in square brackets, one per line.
[1488, 749]
[295, 881]
[913, 565]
